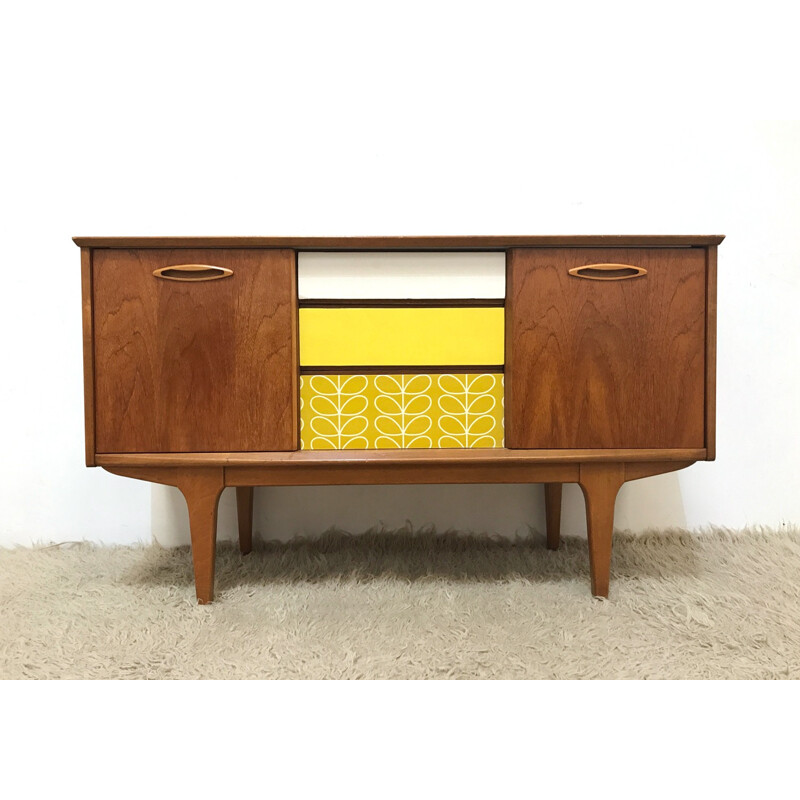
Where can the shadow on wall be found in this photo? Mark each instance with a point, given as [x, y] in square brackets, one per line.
[507, 510]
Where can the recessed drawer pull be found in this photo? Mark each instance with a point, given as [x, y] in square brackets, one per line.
[192, 272]
[607, 272]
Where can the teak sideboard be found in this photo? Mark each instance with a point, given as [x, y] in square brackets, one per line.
[253, 361]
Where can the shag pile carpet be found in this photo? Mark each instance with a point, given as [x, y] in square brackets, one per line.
[716, 604]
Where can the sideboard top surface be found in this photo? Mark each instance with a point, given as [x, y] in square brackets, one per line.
[394, 242]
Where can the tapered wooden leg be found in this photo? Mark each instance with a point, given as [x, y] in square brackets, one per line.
[244, 510]
[552, 512]
[202, 488]
[600, 483]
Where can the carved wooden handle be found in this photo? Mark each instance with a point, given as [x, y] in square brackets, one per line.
[607, 272]
[192, 272]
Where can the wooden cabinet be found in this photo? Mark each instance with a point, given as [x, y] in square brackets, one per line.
[186, 364]
[606, 363]
[422, 360]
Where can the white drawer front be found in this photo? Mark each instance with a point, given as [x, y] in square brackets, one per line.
[401, 276]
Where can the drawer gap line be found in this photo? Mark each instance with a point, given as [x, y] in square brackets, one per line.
[458, 369]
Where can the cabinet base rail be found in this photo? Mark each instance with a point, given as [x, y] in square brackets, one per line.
[202, 486]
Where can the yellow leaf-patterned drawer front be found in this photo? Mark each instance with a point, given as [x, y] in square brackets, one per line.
[381, 337]
[369, 412]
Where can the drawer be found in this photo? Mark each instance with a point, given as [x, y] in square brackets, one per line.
[401, 276]
[401, 336]
[388, 331]
[394, 411]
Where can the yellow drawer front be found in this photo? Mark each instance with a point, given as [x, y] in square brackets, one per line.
[333, 337]
[386, 412]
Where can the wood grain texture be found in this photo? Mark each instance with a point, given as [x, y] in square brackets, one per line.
[711, 354]
[422, 243]
[88, 357]
[244, 515]
[489, 457]
[600, 484]
[552, 511]
[168, 476]
[364, 474]
[279, 475]
[184, 367]
[646, 469]
[617, 364]
[201, 488]
[378, 474]
[634, 470]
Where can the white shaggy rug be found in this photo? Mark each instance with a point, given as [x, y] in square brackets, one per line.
[404, 605]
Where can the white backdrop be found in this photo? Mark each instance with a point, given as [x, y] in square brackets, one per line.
[318, 122]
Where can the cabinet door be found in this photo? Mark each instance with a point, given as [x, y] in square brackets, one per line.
[605, 363]
[195, 365]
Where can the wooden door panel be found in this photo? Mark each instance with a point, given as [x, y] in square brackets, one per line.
[195, 366]
[605, 363]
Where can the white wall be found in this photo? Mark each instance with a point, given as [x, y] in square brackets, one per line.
[330, 121]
